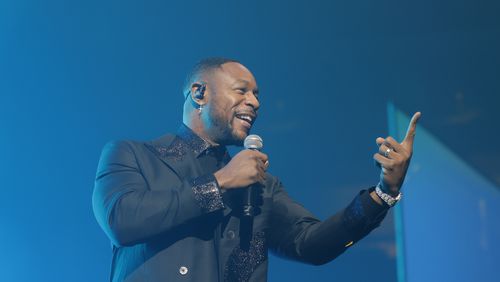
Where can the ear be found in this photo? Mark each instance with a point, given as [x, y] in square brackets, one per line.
[198, 91]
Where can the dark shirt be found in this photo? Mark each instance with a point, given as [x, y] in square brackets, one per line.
[168, 219]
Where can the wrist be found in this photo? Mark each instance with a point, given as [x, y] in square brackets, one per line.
[387, 198]
[376, 198]
[392, 191]
[219, 177]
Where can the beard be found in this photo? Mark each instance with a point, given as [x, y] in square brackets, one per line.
[221, 129]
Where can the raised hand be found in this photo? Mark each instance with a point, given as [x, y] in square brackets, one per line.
[394, 158]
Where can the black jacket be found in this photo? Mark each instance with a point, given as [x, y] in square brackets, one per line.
[168, 220]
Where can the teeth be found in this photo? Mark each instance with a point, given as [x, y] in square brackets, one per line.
[245, 117]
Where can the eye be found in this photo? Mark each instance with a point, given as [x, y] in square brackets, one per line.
[241, 90]
[256, 94]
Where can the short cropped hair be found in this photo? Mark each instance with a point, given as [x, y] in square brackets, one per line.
[201, 67]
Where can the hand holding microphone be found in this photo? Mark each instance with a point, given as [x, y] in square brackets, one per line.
[245, 168]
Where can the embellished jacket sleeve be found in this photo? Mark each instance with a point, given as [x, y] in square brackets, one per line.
[297, 234]
[130, 212]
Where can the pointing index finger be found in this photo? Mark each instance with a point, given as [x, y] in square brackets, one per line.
[412, 128]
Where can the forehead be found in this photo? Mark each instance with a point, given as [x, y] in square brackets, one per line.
[233, 73]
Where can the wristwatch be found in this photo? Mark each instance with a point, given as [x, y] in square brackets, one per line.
[388, 199]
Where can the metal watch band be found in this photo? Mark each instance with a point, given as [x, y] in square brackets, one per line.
[388, 199]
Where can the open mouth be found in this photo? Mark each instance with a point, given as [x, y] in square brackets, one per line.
[246, 119]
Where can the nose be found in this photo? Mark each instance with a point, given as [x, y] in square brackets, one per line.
[251, 100]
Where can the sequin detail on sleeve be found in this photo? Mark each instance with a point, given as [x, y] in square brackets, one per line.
[241, 264]
[207, 194]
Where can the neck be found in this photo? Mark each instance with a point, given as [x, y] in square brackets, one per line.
[197, 126]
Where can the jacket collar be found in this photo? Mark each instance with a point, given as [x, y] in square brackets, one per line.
[176, 147]
[197, 144]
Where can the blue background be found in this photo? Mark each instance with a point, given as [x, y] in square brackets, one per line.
[76, 74]
[447, 227]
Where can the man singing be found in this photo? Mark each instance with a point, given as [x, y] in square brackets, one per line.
[173, 207]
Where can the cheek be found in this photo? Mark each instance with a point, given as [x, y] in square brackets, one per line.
[223, 106]
[218, 115]
[224, 109]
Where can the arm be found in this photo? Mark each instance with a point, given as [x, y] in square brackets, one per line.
[299, 235]
[130, 213]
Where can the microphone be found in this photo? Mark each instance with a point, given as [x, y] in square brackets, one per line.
[252, 142]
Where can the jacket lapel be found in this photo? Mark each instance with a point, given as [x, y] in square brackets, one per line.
[174, 153]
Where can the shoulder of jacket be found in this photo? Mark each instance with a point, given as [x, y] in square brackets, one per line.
[163, 141]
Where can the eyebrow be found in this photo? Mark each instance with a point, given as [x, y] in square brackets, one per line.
[238, 80]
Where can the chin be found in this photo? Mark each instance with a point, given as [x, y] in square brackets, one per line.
[239, 137]
[237, 134]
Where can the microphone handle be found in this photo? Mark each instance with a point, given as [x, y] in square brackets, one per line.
[249, 209]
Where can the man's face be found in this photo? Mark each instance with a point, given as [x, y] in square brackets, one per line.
[232, 104]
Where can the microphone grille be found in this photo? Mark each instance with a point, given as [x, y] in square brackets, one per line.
[253, 142]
